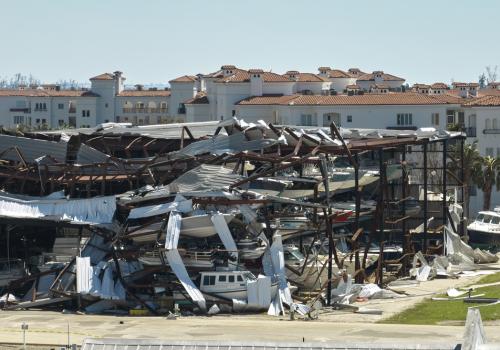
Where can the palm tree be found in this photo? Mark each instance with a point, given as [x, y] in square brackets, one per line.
[487, 176]
[471, 165]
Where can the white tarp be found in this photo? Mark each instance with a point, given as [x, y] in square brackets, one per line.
[98, 210]
[175, 261]
[259, 292]
[84, 275]
[173, 230]
[222, 229]
[180, 204]
[277, 261]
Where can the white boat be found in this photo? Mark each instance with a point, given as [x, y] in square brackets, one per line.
[228, 285]
[197, 226]
[249, 249]
[485, 229]
[192, 260]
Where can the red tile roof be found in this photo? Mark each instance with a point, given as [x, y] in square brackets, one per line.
[406, 98]
[486, 101]
[420, 86]
[385, 76]
[243, 76]
[103, 76]
[146, 93]
[47, 93]
[489, 92]
[310, 78]
[439, 86]
[337, 73]
[184, 79]
[199, 99]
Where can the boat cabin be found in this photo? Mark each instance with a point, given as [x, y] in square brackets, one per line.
[217, 281]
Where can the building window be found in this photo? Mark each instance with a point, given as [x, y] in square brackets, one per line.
[88, 113]
[487, 124]
[435, 118]
[489, 151]
[60, 106]
[83, 113]
[44, 121]
[308, 120]
[37, 120]
[450, 117]
[106, 105]
[405, 119]
[495, 126]
[349, 118]
[18, 119]
[61, 122]
[461, 118]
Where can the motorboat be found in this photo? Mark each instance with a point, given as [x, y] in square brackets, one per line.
[249, 249]
[197, 226]
[229, 285]
[192, 259]
[485, 229]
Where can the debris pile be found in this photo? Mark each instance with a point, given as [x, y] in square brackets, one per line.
[220, 217]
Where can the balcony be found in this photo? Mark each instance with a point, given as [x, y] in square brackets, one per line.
[21, 110]
[40, 109]
[144, 110]
[72, 110]
[491, 131]
[471, 132]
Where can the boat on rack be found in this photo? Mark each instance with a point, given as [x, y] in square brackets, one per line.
[485, 229]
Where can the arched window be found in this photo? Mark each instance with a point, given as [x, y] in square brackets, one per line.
[152, 106]
[487, 124]
[495, 126]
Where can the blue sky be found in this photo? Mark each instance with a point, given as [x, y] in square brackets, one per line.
[153, 41]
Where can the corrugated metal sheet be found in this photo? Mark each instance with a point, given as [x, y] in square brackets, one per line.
[32, 149]
[89, 155]
[204, 178]
[225, 144]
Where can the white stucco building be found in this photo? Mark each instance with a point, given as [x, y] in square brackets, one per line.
[49, 106]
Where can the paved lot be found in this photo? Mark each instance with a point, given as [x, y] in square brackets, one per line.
[47, 327]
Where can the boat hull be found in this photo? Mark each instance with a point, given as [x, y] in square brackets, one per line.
[484, 237]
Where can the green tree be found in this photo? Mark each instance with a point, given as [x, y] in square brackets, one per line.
[487, 176]
[471, 166]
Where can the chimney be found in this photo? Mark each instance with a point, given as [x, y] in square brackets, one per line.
[255, 82]
[228, 70]
[197, 84]
[377, 75]
[323, 71]
[292, 75]
[58, 87]
[139, 87]
[473, 89]
[463, 89]
[118, 81]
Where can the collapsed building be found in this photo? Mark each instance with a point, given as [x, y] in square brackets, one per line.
[225, 215]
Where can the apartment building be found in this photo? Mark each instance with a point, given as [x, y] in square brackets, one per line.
[107, 100]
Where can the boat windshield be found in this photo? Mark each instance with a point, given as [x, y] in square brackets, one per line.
[249, 276]
[486, 218]
[495, 220]
[293, 254]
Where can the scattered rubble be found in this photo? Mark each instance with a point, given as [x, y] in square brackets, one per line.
[225, 217]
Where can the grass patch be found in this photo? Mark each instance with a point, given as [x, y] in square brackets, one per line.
[434, 312]
[494, 277]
